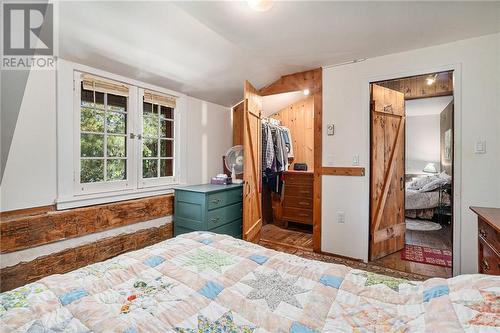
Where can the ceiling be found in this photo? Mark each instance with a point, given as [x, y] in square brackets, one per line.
[426, 106]
[274, 103]
[207, 49]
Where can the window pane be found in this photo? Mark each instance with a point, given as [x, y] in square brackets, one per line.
[116, 122]
[166, 129]
[166, 112]
[166, 168]
[150, 126]
[117, 103]
[116, 169]
[99, 100]
[150, 148]
[147, 107]
[150, 168]
[166, 148]
[87, 97]
[92, 145]
[91, 121]
[92, 171]
[116, 146]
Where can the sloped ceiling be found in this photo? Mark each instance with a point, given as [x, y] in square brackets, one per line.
[207, 49]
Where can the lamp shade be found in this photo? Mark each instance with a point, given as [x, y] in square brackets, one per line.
[430, 168]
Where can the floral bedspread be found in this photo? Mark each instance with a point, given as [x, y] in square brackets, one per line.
[203, 282]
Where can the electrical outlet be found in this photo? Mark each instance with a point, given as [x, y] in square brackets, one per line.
[330, 129]
[340, 217]
[480, 147]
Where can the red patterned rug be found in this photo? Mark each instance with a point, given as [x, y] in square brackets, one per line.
[426, 255]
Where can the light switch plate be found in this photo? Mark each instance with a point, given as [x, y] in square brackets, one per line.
[330, 129]
[480, 147]
[355, 160]
[340, 216]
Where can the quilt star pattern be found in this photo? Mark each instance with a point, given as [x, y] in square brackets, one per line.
[205, 282]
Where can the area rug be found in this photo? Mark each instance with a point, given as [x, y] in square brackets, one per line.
[426, 255]
[422, 225]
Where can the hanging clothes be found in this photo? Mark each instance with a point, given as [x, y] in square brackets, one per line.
[276, 148]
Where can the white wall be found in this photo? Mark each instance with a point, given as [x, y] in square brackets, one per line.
[346, 104]
[423, 142]
[30, 172]
[210, 137]
[30, 177]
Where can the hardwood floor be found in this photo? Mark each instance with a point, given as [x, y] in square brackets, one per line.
[295, 236]
[440, 239]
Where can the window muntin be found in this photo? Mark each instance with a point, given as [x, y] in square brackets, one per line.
[103, 135]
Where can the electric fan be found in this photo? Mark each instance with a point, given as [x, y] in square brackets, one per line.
[234, 162]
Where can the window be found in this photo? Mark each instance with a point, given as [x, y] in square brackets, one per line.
[111, 155]
[158, 136]
[103, 132]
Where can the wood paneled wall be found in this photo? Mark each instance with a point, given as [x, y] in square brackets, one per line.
[30, 228]
[73, 258]
[23, 231]
[299, 118]
[416, 86]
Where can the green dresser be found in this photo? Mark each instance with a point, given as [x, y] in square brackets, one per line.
[215, 208]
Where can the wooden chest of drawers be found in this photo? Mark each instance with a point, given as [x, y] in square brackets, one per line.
[488, 240]
[215, 208]
[298, 197]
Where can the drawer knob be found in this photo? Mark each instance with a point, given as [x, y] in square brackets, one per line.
[215, 201]
[482, 233]
[215, 219]
[303, 203]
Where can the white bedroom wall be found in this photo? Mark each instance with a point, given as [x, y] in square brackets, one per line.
[30, 176]
[346, 104]
[422, 142]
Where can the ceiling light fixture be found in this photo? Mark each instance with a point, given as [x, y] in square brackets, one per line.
[431, 79]
[306, 92]
[260, 5]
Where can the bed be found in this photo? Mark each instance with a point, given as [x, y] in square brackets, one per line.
[204, 282]
[423, 197]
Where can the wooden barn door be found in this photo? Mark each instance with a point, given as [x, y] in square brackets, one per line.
[252, 205]
[387, 218]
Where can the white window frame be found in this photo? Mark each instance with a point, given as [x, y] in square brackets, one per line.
[159, 181]
[105, 186]
[70, 193]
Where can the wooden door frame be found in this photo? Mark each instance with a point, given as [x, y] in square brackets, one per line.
[457, 146]
[313, 81]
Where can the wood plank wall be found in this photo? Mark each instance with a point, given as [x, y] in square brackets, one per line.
[299, 118]
[31, 228]
[416, 86]
[80, 256]
[21, 232]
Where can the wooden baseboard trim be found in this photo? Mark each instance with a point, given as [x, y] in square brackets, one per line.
[35, 227]
[343, 171]
[80, 256]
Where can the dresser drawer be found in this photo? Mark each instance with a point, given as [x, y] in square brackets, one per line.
[489, 261]
[225, 198]
[298, 191]
[489, 235]
[297, 214]
[232, 229]
[302, 202]
[299, 179]
[221, 216]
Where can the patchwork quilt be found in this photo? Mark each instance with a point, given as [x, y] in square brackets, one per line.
[204, 282]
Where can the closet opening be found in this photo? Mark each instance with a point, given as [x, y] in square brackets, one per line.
[411, 178]
[287, 164]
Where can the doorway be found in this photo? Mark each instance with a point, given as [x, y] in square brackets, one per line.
[411, 181]
[250, 109]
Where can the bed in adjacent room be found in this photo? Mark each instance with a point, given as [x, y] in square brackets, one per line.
[204, 282]
[423, 195]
